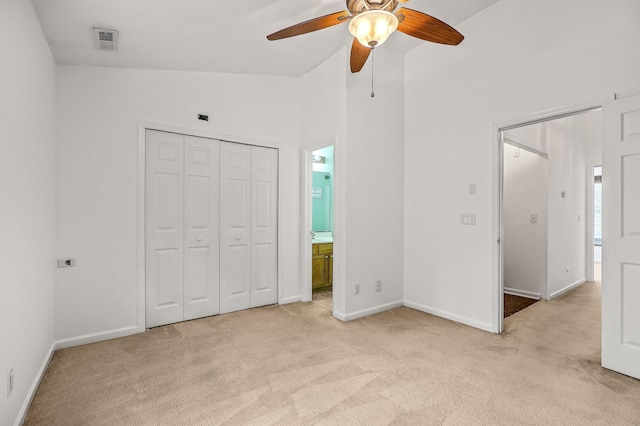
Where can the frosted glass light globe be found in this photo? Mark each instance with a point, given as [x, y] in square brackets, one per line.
[373, 27]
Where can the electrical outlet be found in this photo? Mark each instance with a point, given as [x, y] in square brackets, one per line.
[356, 289]
[10, 382]
[567, 269]
[378, 285]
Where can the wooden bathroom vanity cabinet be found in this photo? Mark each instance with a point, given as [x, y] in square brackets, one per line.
[322, 266]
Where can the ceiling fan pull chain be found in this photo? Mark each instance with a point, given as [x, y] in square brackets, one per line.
[373, 95]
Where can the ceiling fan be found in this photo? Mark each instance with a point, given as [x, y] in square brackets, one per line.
[371, 22]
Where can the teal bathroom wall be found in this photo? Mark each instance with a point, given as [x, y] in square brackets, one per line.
[322, 202]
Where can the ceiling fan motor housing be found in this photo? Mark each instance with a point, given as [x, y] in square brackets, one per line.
[359, 6]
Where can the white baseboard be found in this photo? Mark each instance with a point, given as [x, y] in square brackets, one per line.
[523, 293]
[339, 315]
[22, 415]
[566, 289]
[368, 311]
[449, 316]
[96, 337]
[291, 299]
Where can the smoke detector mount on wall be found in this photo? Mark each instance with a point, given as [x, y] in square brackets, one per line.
[104, 39]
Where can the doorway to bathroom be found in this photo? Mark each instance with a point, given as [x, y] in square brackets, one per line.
[322, 220]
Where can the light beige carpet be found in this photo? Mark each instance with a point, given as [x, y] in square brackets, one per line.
[294, 364]
[323, 298]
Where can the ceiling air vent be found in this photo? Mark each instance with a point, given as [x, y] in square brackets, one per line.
[105, 39]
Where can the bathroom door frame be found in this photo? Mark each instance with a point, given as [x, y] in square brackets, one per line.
[307, 213]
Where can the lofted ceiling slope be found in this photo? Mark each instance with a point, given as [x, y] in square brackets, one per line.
[214, 35]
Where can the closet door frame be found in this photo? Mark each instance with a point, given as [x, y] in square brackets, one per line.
[143, 126]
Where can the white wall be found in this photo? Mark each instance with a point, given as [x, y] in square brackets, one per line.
[587, 129]
[97, 165]
[368, 134]
[374, 185]
[567, 173]
[518, 58]
[323, 102]
[323, 123]
[27, 175]
[525, 243]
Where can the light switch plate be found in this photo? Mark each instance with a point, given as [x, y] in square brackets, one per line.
[467, 219]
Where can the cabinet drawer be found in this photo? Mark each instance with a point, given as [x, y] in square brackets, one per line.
[325, 248]
[314, 248]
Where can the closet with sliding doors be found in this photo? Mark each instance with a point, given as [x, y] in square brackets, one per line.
[210, 227]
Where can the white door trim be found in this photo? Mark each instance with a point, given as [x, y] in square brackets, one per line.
[498, 128]
[589, 219]
[143, 126]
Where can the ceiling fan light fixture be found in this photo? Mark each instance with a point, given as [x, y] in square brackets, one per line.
[373, 27]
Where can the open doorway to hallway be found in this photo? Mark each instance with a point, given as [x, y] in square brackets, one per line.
[547, 209]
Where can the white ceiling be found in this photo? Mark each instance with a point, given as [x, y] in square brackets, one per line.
[214, 35]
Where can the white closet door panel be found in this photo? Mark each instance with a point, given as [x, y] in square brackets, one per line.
[235, 252]
[239, 273]
[166, 274]
[264, 226]
[201, 228]
[164, 228]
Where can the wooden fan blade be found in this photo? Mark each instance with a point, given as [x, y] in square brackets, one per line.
[425, 27]
[359, 55]
[311, 25]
